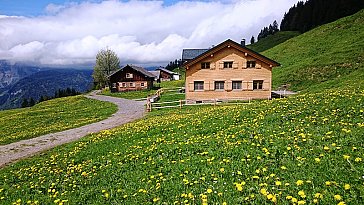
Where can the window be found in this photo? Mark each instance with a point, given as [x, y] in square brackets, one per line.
[228, 64]
[237, 85]
[257, 84]
[129, 75]
[198, 85]
[113, 85]
[250, 64]
[219, 85]
[205, 65]
[131, 85]
[142, 84]
[123, 85]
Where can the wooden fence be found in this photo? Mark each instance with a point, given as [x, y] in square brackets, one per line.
[182, 103]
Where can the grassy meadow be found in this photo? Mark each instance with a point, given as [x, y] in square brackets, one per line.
[272, 40]
[51, 116]
[302, 150]
[329, 56]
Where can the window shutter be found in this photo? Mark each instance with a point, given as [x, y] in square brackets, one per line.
[221, 65]
[191, 87]
[212, 85]
[258, 65]
[212, 66]
[206, 85]
[243, 64]
[235, 65]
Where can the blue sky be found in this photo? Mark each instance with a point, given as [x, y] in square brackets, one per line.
[147, 33]
[37, 7]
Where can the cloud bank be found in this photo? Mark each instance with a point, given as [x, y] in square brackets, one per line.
[140, 32]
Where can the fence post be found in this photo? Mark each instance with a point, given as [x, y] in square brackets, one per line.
[215, 102]
[149, 105]
[180, 104]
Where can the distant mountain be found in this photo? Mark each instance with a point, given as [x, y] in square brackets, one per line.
[45, 83]
[10, 74]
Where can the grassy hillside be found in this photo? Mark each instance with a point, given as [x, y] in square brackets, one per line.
[305, 149]
[51, 116]
[329, 56]
[273, 40]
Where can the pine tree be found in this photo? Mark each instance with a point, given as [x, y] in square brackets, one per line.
[252, 40]
[25, 103]
[31, 102]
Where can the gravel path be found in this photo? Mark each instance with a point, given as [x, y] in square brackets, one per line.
[128, 110]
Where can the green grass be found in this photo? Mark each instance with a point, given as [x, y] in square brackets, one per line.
[273, 40]
[328, 56]
[51, 116]
[305, 148]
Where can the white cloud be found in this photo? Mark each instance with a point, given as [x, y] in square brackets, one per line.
[140, 32]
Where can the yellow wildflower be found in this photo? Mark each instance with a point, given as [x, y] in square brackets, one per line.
[337, 197]
[347, 186]
[299, 182]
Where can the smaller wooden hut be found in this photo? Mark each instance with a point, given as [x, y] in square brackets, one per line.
[131, 78]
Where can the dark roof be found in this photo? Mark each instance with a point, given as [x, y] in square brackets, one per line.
[188, 54]
[165, 70]
[142, 70]
[137, 68]
[234, 44]
[156, 73]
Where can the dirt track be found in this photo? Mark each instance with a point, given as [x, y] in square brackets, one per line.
[128, 110]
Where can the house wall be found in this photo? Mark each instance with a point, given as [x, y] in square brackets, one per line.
[239, 72]
[132, 86]
[120, 82]
[164, 76]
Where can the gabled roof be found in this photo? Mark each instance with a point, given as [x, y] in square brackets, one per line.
[235, 45]
[166, 70]
[156, 73]
[189, 54]
[141, 70]
[136, 68]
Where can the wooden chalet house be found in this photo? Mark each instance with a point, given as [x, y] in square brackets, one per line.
[227, 71]
[131, 78]
[167, 75]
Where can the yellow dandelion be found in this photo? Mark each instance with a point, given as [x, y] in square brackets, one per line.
[263, 191]
[302, 194]
[347, 186]
[209, 191]
[318, 195]
[358, 159]
[337, 197]
[299, 182]
[346, 157]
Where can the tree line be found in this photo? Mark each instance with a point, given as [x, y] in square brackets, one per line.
[174, 64]
[58, 94]
[307, 15]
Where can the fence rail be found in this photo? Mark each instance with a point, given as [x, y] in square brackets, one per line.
[181, 103]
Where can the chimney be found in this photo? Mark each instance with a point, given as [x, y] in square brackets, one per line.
[242, 43]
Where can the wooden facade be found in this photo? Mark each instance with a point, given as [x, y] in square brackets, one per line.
[131, 78]
[227, 71]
